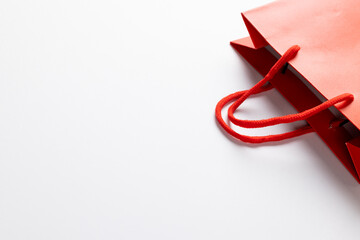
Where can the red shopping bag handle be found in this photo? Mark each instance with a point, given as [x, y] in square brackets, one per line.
[263, 85]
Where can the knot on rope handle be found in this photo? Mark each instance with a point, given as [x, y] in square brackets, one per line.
[239, 97]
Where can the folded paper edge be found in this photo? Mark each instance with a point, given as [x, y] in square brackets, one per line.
[354, 149]
[257, 39]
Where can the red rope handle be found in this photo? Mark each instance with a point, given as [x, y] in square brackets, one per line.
[240, 97]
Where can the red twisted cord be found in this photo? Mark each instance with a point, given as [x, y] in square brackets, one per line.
[240, 97]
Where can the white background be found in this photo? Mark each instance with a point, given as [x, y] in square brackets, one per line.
[107, 130]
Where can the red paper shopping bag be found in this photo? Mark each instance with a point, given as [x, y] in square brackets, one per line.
[310, 52]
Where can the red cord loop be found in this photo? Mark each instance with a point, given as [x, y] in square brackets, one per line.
[239, 97]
